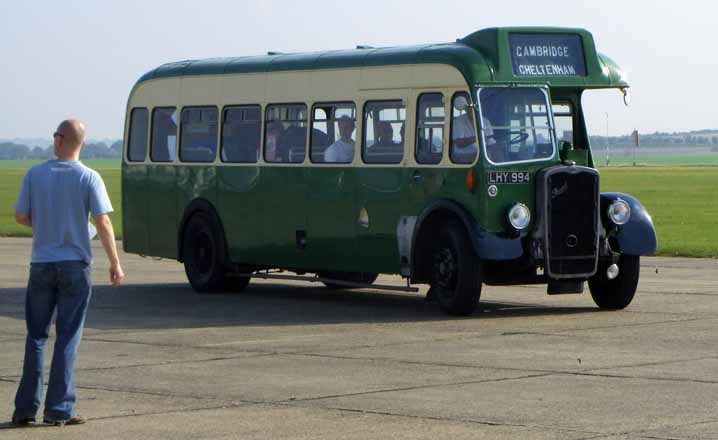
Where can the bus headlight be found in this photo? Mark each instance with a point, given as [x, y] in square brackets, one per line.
[519, 216]
[619, 212]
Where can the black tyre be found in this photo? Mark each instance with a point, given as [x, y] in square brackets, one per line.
[203, 254]
[351, 277]
[455, 271]
[617, 293]
[234, 283]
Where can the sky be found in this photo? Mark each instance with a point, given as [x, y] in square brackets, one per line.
[80, 58]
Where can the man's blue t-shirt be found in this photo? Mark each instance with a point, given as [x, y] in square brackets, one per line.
[58, 196]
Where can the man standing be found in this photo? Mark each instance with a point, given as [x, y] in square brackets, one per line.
[55, 200]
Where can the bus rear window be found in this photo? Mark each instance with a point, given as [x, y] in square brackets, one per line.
[164, 134]
[198, 139]
[241, 131]
[384, 132]
[137, 144]
[285, 133]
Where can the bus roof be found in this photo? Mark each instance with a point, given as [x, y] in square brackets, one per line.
[484, 57]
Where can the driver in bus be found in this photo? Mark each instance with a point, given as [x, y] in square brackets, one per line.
[463, 133]
[342, 150]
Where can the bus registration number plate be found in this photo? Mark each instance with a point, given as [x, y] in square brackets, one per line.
[499, 177]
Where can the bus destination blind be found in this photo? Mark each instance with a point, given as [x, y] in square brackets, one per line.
[547, 55]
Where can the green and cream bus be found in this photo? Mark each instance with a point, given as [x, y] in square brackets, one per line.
[453, 165]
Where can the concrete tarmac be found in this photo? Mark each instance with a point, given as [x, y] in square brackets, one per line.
[298, 360]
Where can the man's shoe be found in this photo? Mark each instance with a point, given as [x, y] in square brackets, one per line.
[74, 420]
[23, 421]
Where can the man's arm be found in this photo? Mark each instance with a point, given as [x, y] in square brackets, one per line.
[23, 219]
[107, 237]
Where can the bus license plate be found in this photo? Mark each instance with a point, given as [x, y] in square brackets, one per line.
[499, 177]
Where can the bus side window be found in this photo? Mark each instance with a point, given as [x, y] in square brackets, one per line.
[333, 133]
[383, 132]
[430, 128]
[241, 131]
[463, 148]
[198, 134]
[285, 133]
[563, 120]
[137, 144]
[164, 134]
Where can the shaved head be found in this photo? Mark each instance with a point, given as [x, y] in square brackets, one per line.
[73, 133]
[68, 139]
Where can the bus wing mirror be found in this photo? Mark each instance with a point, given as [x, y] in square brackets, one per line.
[626, 97]
[565, 148]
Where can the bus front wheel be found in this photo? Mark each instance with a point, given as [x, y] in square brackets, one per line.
[203, 261]
[456, 271]
[616, 294]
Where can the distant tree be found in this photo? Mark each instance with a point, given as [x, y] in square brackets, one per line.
[116, 148]
[98, 150]
[39, 153]
[12, 151]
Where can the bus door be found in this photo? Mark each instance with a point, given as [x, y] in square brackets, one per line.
[331, 182]
[162, 221]
[239, 191]
[428, 177]
[381, 184]
[134, 184]
[283, 190]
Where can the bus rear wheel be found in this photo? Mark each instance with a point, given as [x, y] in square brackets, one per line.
[616, 294]
[351, 277]
[201, 251]
[455, 272]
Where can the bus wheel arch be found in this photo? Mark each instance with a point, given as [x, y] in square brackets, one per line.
[202, 247]
[206, 207]
[436, 217]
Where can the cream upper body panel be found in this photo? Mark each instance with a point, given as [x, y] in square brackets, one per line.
[299, 86]
[356, 85]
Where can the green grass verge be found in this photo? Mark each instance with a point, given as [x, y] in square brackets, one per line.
[12, 172]
[682, 201]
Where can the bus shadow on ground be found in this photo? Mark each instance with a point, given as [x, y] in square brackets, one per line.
[167, 306]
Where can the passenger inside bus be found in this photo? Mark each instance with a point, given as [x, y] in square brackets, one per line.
[342, 150]
[384, 135]
[275, 131]
[291, 144]
[463, 134]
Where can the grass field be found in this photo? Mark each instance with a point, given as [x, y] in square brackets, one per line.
[682, 201]
[12, 172]
[662, 160]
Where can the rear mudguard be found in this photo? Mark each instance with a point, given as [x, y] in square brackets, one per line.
[638, 236]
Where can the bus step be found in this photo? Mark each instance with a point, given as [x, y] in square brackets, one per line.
[317, 279]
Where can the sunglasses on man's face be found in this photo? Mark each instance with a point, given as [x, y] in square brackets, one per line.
[56, 134]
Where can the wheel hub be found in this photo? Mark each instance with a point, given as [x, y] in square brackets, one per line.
[445, 268]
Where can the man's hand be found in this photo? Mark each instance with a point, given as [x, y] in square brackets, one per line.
[116, 275]
[23, 219]
[107, 237]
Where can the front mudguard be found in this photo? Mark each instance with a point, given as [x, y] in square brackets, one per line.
[638, 236]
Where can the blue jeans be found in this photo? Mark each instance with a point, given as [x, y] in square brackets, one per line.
[65, 286]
